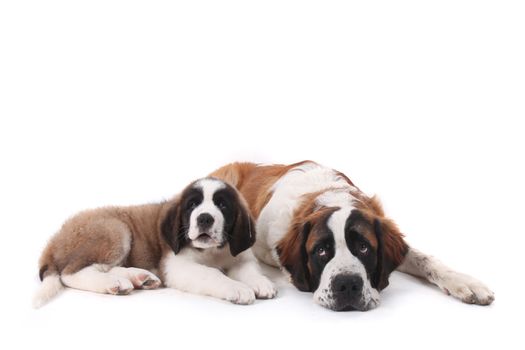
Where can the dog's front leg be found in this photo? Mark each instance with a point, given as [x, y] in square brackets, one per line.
[459, 285]
[248, 271]
[189, 276]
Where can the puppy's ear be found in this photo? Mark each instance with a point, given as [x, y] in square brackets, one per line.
[242, 235]
[391, 250]
[171, 228]
[293, 256]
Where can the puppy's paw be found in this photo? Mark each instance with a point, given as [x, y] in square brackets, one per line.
[238, 293]
[263, 288]
[120, 286]
[466, 288]
[141, 279]
[146, 281]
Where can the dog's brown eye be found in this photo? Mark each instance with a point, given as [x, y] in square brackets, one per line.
[222, 205]
[192, 205]
[363, 248]
[321, 251]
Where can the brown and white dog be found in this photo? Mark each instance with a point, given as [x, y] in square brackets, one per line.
[332, 239]
[190, 240]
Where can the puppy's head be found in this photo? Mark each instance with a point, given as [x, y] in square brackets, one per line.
[209, 213]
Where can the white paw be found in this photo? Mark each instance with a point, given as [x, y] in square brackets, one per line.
[466, 288]
[263, 288]
[239, 293]
[120, 286]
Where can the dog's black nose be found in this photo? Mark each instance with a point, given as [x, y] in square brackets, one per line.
[205, 220]
[350, 286]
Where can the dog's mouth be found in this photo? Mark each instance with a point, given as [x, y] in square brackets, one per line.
[204, 238]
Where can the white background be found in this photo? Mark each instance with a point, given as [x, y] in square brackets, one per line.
[124, 102]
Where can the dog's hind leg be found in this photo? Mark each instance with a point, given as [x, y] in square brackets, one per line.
[105, 245]
[96, 278]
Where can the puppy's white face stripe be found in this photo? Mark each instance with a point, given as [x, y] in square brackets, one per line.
[209, 187]
[343, 262]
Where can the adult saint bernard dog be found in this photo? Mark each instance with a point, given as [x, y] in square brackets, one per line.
[332, 239]
[199, 242]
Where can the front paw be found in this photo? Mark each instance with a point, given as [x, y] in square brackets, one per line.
[238, 293]
[263, 288]
[467, 289]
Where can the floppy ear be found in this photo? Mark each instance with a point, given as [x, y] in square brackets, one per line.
[242, 235]
[391, 250]
[171, 228]
[293, 256]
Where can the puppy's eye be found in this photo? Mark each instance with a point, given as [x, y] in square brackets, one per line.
[192, 205]
[363, 248]
[222, 204]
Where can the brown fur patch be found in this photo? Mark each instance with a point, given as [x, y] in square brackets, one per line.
[294, 246]
[394, 244]
[316, 219]
[126, 236]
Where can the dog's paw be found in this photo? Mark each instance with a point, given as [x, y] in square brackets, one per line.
[120, 286]
[238, 293]
[263, 288]
[141, 279]
[146, 281]
[466, 288]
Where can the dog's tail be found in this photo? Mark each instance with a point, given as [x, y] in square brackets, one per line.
[51, 283]
[51, 286]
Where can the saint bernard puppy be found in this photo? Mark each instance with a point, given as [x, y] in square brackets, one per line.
[332, 239]
[190, 240]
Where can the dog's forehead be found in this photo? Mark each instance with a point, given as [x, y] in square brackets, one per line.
[209, 186]
[342, 199]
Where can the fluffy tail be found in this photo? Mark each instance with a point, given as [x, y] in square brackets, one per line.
[51, 286]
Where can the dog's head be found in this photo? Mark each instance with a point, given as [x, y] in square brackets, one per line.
[344, 254]
[209, 213]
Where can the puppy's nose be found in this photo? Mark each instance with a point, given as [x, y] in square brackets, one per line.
[205, 220]
[350, 286]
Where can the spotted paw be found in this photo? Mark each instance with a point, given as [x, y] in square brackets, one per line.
[466, 288]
